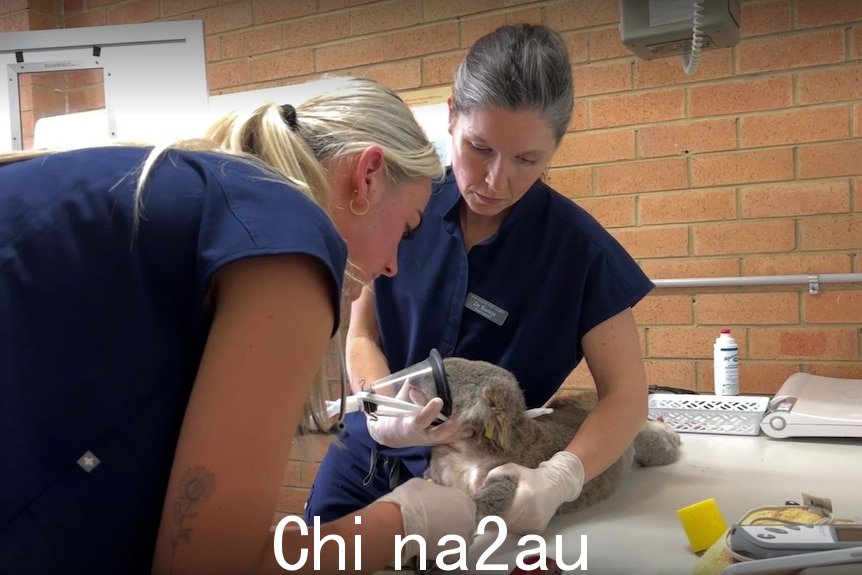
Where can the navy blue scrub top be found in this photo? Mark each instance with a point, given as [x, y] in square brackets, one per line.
[523, 299]
[102, 330]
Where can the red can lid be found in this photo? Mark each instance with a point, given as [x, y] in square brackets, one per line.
[724, 330]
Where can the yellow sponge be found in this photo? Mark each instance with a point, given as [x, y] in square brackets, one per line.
[703, 524]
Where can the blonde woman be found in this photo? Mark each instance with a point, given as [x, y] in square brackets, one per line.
[164, 315]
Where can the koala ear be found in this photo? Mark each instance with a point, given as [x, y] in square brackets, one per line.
[498, 424]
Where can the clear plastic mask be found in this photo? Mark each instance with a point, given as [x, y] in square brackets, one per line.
[416, 384]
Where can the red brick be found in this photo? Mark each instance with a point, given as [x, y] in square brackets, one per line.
[397, 75]
[690, 137]
[686, 268]
[613, 212]
[845, 370]
[42, 21]
[689, 342]
[776, 265]
[857, 120]
[15, 22]
[316, 30]
[95, 3]
[212, 48]
[824, 160]
[605, 43]
[175, 7]
[580, 116]
[577, 44]
[67, 5]
[580, 378]
[688, 206]
[571, 182]
[85, 77]
[857, 194]
[90, 97]
[453, 9]
[350, 53]
[638, 108]
[795, 126]
[327, 5]
[267, 11]
[292, 474]
[664, 309]
[310, 447]
[96, 17]
[857, 42]
[135, 12]
[834, 305]
[309, 472]
[645, 176]
[665, 71]
[379, 16]
[594, 147]
[291, 500]
[576, 14]
[764, 18]
[831, 233]
[253, 41]
[285, 64]
[795, 199]
[666, 241]
[748, 308]
[761, 377]
[744, 237]
[742, 167]
[805, 343]
[790, 51]
[741, 96]
[813, 13]
[220, 19]
[473, 28]
[228, 74]
[670, 373]
[8, 6]
[419, 41]
[602, 78]
[440, 68]
[832, 85]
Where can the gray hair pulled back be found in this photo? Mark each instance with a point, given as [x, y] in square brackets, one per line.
[518, 67]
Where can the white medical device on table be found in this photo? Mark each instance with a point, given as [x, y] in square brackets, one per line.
[815, 406]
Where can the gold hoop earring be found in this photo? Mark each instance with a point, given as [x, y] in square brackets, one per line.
[356, 212]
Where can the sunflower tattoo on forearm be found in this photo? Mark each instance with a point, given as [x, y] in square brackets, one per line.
[195, 488]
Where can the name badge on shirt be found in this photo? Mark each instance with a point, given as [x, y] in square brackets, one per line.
[486, 309]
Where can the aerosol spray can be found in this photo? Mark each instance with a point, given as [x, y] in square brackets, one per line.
[725, 360]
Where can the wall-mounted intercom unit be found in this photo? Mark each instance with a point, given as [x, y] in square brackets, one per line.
[658, 28]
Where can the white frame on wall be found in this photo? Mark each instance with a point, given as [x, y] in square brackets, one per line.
[148, 69]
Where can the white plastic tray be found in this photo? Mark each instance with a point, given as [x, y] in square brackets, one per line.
[693, 413]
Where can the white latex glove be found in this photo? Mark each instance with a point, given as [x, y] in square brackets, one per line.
[541, 491]
[433, 511]
[415, 429]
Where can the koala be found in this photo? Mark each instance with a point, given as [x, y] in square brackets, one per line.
[488, 400]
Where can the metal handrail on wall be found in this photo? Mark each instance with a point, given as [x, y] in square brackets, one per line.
[813, 281]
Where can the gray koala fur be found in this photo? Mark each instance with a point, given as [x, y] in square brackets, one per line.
[488, 400]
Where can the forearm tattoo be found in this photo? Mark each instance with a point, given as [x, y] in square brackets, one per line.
[195, 488]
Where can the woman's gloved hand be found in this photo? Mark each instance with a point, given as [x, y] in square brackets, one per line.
[416, 429]
[433, 511]
[541, 491]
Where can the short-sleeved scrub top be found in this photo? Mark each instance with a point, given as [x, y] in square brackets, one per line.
[103, 320]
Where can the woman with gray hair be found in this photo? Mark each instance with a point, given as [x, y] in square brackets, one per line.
[165, 311]
[504, 270]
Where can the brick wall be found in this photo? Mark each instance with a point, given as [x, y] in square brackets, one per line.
[752, 166]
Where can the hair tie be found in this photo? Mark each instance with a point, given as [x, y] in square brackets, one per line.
[288, 112]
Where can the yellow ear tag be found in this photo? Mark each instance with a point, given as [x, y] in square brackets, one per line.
[489, 431]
